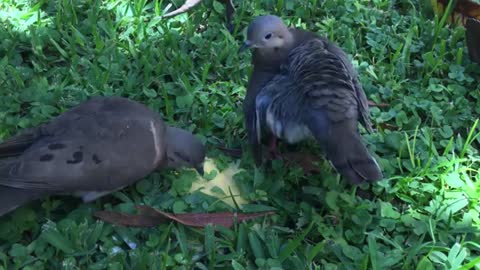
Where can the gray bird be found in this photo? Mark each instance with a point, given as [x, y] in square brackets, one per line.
[95, 148]
[303, 86]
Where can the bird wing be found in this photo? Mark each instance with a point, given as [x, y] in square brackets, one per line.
[16, 145]
[326, 79]
[330, 101]
[279, 101]
[257, 81]
[85, 150]
[357, 87]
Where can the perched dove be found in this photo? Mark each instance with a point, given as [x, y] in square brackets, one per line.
[304, 86]
[97, 147]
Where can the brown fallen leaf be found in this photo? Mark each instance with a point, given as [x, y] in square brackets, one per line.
[131, 220]
[149, 217]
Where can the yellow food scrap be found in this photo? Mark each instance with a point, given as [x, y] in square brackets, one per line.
[223, 181]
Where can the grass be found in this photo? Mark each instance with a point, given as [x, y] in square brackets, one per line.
[425, 215]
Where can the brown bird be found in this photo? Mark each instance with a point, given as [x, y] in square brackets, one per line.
[95, 148]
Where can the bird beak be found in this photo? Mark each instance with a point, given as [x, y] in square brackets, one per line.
[200, 170]
[247, 44]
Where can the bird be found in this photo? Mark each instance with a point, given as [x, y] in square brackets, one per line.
[97, 147]
[303, 86]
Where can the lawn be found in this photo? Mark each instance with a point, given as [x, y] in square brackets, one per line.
[424, 215]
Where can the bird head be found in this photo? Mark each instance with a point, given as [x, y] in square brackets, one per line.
[267, 34]
[184, 150]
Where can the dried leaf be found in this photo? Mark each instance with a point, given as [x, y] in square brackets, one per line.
[131, 220]
[150, 217]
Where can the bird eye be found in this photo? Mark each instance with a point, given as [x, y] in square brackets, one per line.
[268, 36]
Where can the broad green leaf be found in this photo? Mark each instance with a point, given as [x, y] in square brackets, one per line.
[425, 264]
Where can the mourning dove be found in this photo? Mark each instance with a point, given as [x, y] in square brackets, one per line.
[95, 148]
[303, 86]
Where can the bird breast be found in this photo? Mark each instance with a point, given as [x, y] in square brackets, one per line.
[285, 129]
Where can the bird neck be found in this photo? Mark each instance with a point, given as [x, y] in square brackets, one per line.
[270, 59]
[266, 62]
[289, 40]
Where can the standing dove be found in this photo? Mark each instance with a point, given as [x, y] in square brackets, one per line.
[95, 148]
[303, 86]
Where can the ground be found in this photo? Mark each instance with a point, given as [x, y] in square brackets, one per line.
[424, 215]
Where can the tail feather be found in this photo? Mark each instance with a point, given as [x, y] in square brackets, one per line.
[12, 198]
[345, 149]
[351, 159]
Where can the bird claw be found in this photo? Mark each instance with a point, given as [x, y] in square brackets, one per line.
[275, 154]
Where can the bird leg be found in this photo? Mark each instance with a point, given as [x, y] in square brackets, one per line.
[272, 148]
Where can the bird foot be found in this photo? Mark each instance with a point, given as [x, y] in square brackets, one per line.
[273, 150]
[275, 154]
